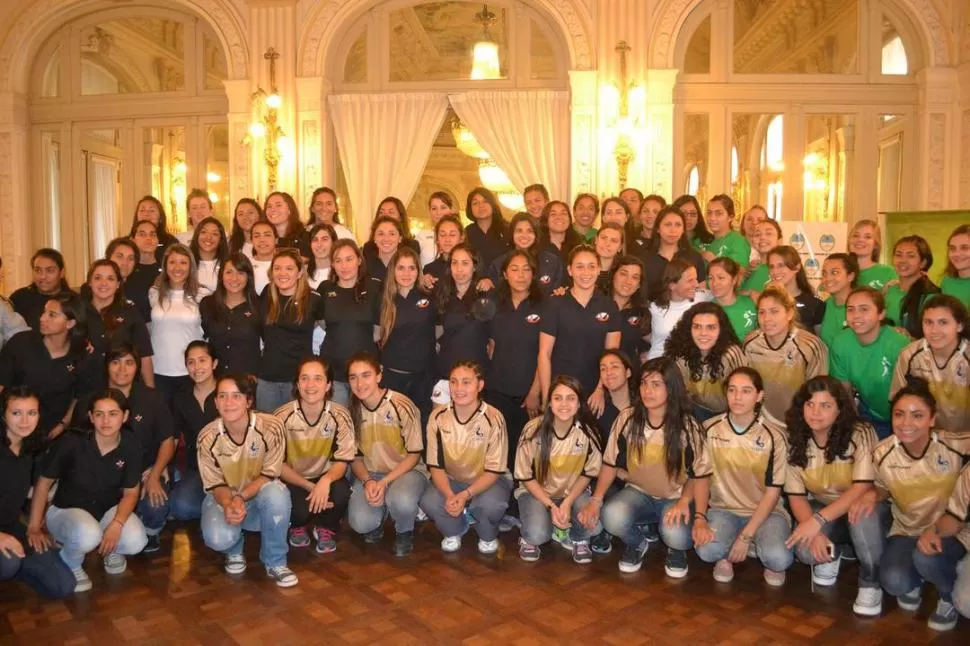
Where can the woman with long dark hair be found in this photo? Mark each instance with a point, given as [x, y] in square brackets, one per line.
[448, 234]
[942, 359]
[740, 504]
[617, 375]
[390, 208]
[863, 357]
[558, 455]
[265, 238]
[322, 238]
[840, 273]
[150, 209]
[282, 212]
[697, 232]
[787, 271]
[647, 215]
[829, 468]
[706, 351]
[325, 209]
[956, 276]
[767, 236]
[586, 208]
[627, 293]
[556, 226]
[247, 213]
[386, 237]
[231, 318]
[37, 564]
[47, 267]
[668, 242]
[724, 279]
[526, 236]
[659, 445]
[727, 242]
[677, 294]
[488, 232]
[912, 258]
[440, 204]
[146, 270]
[210, 249]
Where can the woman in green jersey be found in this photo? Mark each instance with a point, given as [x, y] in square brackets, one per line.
[956, 276]
[840, 273]
[865, 241]
[724, 279]
[912, 258]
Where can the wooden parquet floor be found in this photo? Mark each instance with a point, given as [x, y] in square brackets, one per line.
[363, 595]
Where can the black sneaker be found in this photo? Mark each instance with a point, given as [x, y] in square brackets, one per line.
[632, 557]
[374, 537]
[652, 532]
[153, 545]
[403, 543]
[602, 543]
[675, 566]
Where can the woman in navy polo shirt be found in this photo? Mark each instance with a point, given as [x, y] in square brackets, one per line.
[525, 237]
[93, 509]
[39, 567]
[577, 327]
[407, 334]
[627, 293]
[447, 235]
[488, 233]
[231, 319]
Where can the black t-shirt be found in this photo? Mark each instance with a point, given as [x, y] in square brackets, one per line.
[439, 267]
[654, 265]
[190, 418]
[149, 418]
[490, 245]
[634, 325]
[127, 327]
[88, 480]
[350, 324]
[29, 303]
[299, 241]
[287, 341]
[25, 361]
[515, 332]
[810, 310]
[233, 334]
[605, 421]
[15, 483]
[465, 336]
[137, 285]
[375, 268]
[410, 345]
[549, 275]
[580, 334]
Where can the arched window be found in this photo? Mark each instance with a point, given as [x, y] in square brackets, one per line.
[894, 61]
[773, 165]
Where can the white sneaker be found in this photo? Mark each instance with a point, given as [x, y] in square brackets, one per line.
[421, 517]
[82, 582]
[235, 564]
[451, 544]
[487, 547]
[826, 574]
[774, 579]
[868, 602]
[115, 563]
[724, 571]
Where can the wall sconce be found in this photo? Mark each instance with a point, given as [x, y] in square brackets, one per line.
[266, 126]
[627, 129]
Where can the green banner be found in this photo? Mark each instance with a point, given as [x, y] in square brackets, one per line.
[934, 226]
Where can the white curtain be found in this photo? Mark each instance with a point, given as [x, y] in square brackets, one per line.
[384, 142]
[104, 206]
[525, 132]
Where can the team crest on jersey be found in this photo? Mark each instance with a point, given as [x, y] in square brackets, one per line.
[961, 371]
[603, 317]
[942, 464]
[422, 303]
[533, 318]
[388, 418]
[634, 321]
[886, 365]
[119, 319]
[327, 430]
[578, 446]
[545, 280]
[253, 449]
[790, 358]
[331, 294]
[138, 418]
[760, 443]
[479, 433]
[749, 320]
[120, 464]
[247, 314]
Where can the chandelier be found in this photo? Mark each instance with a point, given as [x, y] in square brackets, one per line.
[485, 61]
[466, 141]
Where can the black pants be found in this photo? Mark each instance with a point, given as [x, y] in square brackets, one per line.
[416, 386]
[328, 518]
[170, 386]
[516, 417]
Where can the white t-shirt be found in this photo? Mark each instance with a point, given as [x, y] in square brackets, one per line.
[174, 325]
[247, 250]
[663, 320]
[185, 237]
[261, 274]
[343, 233]
[429, 251]
[318, 277]
[208, 275]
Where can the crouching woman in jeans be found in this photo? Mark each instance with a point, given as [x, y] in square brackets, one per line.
[748, 455]
[558, 454]
[93, 509]
[240, 458]
[658, 444]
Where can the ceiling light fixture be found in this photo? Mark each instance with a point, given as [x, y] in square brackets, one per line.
[485, 61]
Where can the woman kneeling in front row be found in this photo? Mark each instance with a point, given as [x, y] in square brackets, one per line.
[658, 444]
[557, 456]
[467, 451]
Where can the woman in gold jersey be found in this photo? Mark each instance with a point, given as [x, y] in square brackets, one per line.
[829, 468]
[917, 470]
[747, 453]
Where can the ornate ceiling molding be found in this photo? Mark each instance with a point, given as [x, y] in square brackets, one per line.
[328, 21]
[673, 13]
[41, 17]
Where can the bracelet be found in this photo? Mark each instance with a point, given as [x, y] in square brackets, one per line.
[822, 521]
[744, 538]
[238, 495]
[115, 520]
[597, 500]
[698, 514]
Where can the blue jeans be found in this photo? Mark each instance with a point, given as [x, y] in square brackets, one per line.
[961, 589]
[187, 495]
[267, 513]
[340, 393]
[488, 507]
[904, 568]
[270, 395]
[79, 532]
[883, 427]
[45, 572]
[769, 540]
[153, 518]
[866, 536]
[537, 520]
[627, 510]
[400, 501]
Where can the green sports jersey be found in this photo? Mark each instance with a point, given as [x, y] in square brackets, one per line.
[732, 245]
[833, 321]
[696, 243]
[894, 303]
[757, 280]
[743, 316]
[869, 368]
[590, 236]
[877, 276]
[957, 287]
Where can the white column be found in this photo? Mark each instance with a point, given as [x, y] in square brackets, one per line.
[936, 119]
[584, 157]
[16, 242]
[310, 115]
[665, 153]
[241, 157]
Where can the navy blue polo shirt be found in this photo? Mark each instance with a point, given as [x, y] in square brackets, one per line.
[350, 322]
[580, 334]
[29, 303]
[15, 483]
[190, 418]
[440, 267]
[654, 265]
[410, 345]
[515, 332]
[634, 325]
[287, 341]
[137, 285]
[127, 326]
[490, 245]
[549, 274]
[465, 336]
[233, 334]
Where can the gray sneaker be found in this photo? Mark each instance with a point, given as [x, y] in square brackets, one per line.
[582, 553]
[911, 600]
[82, 582]
[528, 552]
[115, 563]
[944, 618]
[283, 576]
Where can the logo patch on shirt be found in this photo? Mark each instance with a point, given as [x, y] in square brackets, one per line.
[634, 321]
[579, 447]
[942, 464]
[119, 319]
[885, 366]
[790, 358]
[388, 418]
[422, 303]
[603, 317]
[533, 318]
[247, 314]
[759, 443]
[961, 371]
[331, 294]
[253, 449]
[138, 418]
[749, 320]
[545, 280]
[327, 431]
[120, 464]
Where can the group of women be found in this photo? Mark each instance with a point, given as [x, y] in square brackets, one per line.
[664, 379]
